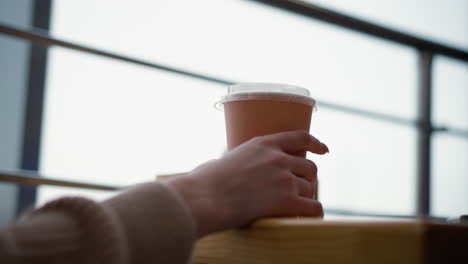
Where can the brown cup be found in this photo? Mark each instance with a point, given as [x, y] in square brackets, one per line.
[258, 109]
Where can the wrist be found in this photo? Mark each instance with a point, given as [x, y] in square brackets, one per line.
[199, 200]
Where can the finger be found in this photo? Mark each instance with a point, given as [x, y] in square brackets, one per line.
[295, 141]
[304, 168]
[305, 188]
[307, 207]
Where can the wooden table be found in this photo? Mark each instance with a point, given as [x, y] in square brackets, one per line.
[309, 240]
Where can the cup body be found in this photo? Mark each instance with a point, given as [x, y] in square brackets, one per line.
[257, 112]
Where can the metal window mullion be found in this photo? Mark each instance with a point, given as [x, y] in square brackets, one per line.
[34, 105]
[425, 130]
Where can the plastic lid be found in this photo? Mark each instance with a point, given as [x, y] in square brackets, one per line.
[267, 91]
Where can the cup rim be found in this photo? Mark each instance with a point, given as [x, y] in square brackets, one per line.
[267, 91]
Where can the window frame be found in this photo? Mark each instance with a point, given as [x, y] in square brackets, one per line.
[426, 51]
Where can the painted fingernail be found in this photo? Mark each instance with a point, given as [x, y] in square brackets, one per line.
[325, 148]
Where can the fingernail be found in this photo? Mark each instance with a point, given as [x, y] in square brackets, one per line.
[325, 148]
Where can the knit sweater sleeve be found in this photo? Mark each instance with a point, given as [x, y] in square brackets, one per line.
[148, 223]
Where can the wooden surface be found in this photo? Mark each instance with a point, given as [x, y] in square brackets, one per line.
[309, 240]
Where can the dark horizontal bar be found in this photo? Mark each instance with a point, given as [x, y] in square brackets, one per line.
[358, 213]
[442, 129]
[366, 113]
[339, 19]
[452, 131]
[43, 38]
[33, 178]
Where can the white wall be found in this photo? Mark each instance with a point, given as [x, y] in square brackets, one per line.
[14, 59]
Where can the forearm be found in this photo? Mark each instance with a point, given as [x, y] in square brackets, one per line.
[146, 224]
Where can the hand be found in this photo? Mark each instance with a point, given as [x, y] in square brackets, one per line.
[259, 178]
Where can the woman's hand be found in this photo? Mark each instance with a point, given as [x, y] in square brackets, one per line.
[259, 178]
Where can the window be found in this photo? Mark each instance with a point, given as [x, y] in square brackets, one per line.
[118, 123]
[122, 124]
[450, 150]
[443, 21]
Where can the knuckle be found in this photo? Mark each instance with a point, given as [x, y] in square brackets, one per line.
[303, 135]
[311, 193]
[256, 140]
[308, 189]
[278, 159]
[257, 143]
[261, 140]
[313, 167]
[289, 198]
[286, 181]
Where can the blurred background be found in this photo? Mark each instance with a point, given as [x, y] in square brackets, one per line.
[78, 116]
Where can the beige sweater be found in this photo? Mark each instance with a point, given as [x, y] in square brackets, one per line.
[147, 224]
